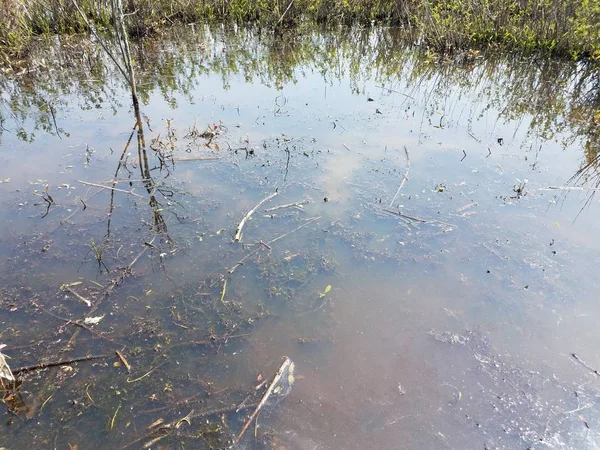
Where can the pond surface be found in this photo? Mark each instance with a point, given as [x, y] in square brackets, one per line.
[431, 287]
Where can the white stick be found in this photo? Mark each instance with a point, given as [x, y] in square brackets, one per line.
[289, 205]
[569, 188]
[87, 183]
[265, 397]
[404, 178]
[238, 231]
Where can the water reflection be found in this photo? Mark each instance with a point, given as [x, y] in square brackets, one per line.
[557, 95]
[428, 294]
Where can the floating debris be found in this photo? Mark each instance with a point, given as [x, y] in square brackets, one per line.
[93, 320]
[5, 371]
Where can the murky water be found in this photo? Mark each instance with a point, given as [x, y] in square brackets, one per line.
[430, 288]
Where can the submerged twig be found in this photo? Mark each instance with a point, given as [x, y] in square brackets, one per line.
[123, 360]
[309, 221]
[289, 205]
[464, 208]
[323, 303]
[79, 296]
[108, 290]
[474, 137]
[241, 261]
[584, 364]
[57, 363]
[416, 219]
[238, 231]
[146, 374]
[154, 441]
[267, 246]
[286, 363]
[224, 290]
[569, 188]
[404, 216]
[112, 421]
[169, 428]
[199, 158]
[102, 186]
[77, 323]
[404, 178]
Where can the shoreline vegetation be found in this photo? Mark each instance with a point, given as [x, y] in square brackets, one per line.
[552, 28]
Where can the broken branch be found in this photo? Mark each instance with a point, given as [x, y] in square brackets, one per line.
[79, 296]
[267, 245]
[404, 216]
[294, 230]
[57, 363]
[123, 360]
[289, 205]
[286, 363]
[569, 188]
[238, 231]
[77, 323]
[404, 178]
[199, 158]
[87, 183]
[169, 428]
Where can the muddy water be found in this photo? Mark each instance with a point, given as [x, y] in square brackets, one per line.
[430, 289]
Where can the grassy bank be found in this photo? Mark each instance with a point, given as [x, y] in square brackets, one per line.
[553, 27]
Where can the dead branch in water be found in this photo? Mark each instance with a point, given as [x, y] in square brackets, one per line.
[169, 428]
[238, 231]
[409, 219]
[404, 216]
[87, 183]
[265, 397]
[125, 272]
[289, 205]
[586, 365]
[404, 178]
[225, 410]
[309, 221]
[199, 158]
[124, 361]
[569, 188]
[241, 262]
[267, 245]
[79, 296]
[77, 323]
[57, 363]
[68, 347]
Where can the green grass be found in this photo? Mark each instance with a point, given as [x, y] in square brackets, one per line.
[550, 27]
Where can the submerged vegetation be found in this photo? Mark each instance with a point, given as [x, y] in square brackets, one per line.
[151, 298]
[556, 27]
